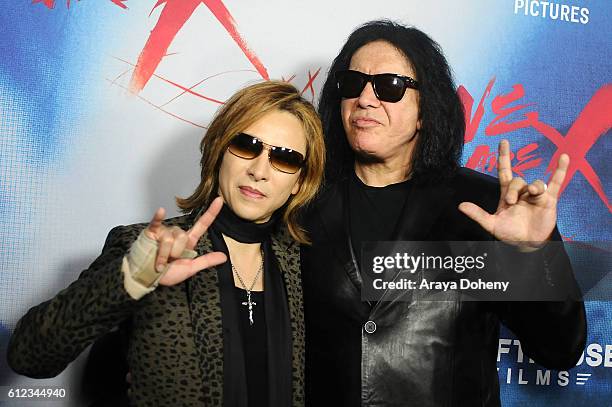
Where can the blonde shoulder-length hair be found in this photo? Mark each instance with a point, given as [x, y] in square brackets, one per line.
[244, 108]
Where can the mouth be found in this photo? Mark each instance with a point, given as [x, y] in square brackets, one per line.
[364, 122]
[251, 192]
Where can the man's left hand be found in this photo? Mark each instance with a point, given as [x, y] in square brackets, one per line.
[526, 214]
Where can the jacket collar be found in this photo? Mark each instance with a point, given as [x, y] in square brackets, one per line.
[287, 253]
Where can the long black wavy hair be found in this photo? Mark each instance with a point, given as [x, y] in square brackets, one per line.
[440, 142]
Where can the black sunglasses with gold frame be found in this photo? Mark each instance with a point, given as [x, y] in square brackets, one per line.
[282, 159]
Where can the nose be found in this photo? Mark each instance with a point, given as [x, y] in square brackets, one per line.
[259, 167]
[368, 98]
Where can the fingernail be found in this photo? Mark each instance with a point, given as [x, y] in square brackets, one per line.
[159, 268]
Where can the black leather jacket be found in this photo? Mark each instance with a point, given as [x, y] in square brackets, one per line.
[420, 353]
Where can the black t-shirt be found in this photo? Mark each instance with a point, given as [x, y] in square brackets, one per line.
[374, 211]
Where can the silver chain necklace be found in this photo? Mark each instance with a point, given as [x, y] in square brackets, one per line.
[248, 302]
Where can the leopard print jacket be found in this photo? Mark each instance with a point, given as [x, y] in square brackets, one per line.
[169, 366]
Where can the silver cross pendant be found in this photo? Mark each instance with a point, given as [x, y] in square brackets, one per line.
[250, 304]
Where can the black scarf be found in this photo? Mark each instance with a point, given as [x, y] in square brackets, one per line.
[241, 230]
[278, 325]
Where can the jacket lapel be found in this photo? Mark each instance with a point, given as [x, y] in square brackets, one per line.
[205, 306]
[287, 254]
[334, 210]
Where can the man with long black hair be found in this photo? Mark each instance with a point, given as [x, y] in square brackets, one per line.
[394, 129]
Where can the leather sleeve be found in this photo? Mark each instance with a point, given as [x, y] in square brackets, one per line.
[552, 332]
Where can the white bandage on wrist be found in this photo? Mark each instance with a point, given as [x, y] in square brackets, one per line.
[139, 274]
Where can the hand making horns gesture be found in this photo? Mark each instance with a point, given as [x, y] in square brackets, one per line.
[172, 241]
[526, 213]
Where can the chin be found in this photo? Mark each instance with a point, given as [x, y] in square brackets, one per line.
[368, 143]
[367, 157]
[364, 147]
[251, 214]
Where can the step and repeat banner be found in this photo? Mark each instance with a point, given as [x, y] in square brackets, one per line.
[103, 104]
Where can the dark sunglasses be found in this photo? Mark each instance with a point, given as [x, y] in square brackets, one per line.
[388, 87]
[282, 159]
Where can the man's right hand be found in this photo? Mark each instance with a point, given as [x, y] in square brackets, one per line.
[172, 242]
